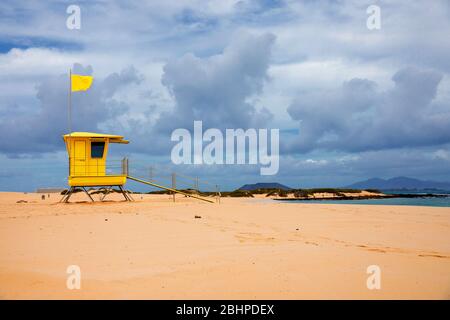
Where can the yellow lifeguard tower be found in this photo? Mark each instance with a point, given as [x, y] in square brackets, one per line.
[88, 166]
[87, 153]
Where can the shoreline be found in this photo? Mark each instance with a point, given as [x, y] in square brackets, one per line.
[367, 197]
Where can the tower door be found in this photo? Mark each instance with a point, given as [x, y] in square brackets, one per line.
[97, 158]
[79, 158]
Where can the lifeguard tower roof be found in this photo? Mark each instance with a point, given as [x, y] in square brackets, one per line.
[112, 138]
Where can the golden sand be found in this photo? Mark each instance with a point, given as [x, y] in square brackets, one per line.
[242, 248]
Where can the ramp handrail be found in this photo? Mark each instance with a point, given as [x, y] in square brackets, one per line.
[169, 189]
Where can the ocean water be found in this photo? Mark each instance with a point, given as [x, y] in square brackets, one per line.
[425, 201]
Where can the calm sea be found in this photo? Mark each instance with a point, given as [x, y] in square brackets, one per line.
[425, 201]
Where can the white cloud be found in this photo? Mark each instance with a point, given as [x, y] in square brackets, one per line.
[442, 154]
[316, 162]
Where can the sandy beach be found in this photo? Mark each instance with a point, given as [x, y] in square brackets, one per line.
[242, 248]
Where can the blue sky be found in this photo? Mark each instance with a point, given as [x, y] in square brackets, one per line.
[351, 103]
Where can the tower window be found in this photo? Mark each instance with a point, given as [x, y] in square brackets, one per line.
[97, 149]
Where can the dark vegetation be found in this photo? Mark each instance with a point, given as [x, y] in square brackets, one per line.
[298, 193]
[275, 192]
[279, 194]
[264, 185]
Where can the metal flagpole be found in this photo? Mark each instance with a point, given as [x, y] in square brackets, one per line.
[70, 101]
[70, 119]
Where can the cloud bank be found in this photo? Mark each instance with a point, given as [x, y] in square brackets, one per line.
[358, 117]
[349, 102]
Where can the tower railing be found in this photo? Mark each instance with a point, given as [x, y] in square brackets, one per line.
[113, 167]
[124, 163]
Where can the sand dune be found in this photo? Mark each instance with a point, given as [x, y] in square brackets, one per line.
[242, 248]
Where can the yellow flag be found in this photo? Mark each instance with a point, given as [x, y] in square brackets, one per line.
[81, 83]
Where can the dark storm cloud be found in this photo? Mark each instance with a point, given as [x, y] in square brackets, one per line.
[40, 130]
[358, 117]
[215, 89]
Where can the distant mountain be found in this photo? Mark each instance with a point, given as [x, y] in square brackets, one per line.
[399, 183]
[264, 185]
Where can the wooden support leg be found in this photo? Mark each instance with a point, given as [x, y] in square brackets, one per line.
[88, 194]
[106, 193]
[129, 196]
[124, 194]
[63, 197]
[66, 197]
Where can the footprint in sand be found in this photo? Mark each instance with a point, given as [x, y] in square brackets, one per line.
[253, 237]
[434, 256]
[376, 250]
